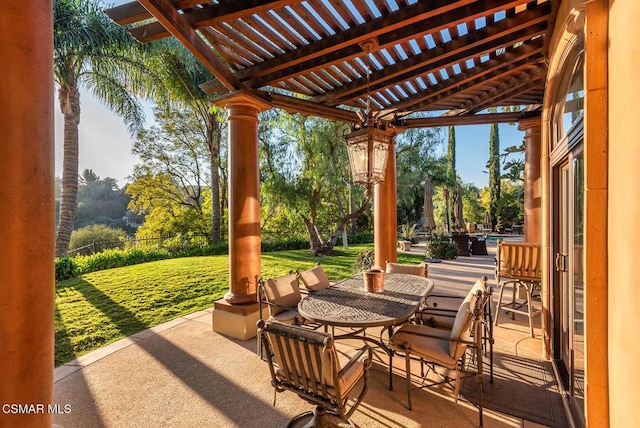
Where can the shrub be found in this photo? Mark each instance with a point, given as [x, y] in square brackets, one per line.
[364, 260]
[97, 234]
[409, 233]
[359, 238]
[441, 249]
[286, 244]
[116, 257]
[66, 268]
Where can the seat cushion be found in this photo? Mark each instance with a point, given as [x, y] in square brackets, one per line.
[419, 270]
[283, 291]
[315, 279]
[432, 344]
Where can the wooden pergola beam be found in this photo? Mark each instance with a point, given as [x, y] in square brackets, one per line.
[495, 68]
[511, 88]
[213, 14]
[304, 107]
[168, 16]
[522, 26]
[445, 60]
[473, 119]
[388, 32]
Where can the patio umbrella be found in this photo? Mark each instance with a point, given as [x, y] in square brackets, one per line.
[457, 209]
[487, 220]
[429, 221]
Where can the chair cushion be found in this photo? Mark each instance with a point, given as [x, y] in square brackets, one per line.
[419, 270]
[429, 343]
[287, 317]
[460, 330]
[283, 291]
[347, 379]
[314, 279]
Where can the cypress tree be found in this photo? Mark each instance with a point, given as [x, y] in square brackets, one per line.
[451, 172]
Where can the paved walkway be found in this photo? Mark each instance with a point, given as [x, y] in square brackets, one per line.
[181, 374]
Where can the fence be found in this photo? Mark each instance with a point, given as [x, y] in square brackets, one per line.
[170, 242]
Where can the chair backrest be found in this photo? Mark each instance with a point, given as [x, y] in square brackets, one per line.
[314, 279]
[519, 260]
[419, 269]
[461, 328]
[307, 363]
[283, 292]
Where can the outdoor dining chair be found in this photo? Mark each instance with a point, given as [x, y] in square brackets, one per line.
[421, 269]
[446, 349]
[441, 309]
[310, 364]
[314, 279]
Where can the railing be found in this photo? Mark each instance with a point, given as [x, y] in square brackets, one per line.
[170, 242]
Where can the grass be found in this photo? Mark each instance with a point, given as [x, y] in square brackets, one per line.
[101, 307]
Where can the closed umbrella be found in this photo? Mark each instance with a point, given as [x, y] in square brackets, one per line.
[429, 221]
[457, 209]
[487, 220]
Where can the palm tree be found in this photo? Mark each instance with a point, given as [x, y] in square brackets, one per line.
[93, 52]
[181, 74]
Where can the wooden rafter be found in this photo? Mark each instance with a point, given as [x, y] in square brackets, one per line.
[469, 119]
[517, 59]
[166, 13]
[443, 56]
[459, 56]
[344, 47]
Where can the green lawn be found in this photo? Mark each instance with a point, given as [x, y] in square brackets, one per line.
[101, 307]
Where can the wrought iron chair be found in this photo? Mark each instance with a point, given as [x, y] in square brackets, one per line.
[281, 297]
[309, 364]
[421, 269]
[441, 309]
[518, 264]
[437, 347]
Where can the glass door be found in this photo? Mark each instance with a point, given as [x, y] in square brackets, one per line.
[568, 291]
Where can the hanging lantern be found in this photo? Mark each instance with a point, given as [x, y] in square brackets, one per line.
[368, 149]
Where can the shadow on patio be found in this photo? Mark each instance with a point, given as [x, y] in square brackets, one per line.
[181, 374]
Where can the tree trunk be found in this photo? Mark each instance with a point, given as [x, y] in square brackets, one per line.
[70, 105]
[318, 245]
[214, 158]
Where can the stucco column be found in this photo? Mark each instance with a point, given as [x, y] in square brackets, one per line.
[532, 179]
[27, 214]
[236, 314]
[385, 217]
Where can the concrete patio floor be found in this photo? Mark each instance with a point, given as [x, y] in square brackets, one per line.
[181, 374]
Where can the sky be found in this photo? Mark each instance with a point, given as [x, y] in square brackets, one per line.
[105, 144]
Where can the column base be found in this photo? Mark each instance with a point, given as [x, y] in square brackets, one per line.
[236, 321]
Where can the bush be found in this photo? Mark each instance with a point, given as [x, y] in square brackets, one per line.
[96, 234]
[441, 249]
[364, 260]
[359, 238]
[66, 268]
[113, 258]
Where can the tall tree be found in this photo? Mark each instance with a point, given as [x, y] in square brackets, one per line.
[169, 185]
[90, 51]
[451, 172]
[181, 74]
[494, 175]
[305, 171]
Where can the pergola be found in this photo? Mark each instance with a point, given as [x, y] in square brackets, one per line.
[335, 59]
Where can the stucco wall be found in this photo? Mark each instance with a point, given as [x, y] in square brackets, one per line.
[624, 211]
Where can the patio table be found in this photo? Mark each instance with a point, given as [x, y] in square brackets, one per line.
[348, 304]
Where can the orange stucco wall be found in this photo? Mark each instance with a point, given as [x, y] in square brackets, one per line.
[624, 211]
